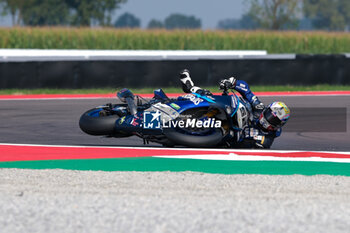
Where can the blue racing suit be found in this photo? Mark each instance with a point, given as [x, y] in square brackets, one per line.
[254, 135]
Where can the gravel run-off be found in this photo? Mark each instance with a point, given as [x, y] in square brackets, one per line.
[93, 201]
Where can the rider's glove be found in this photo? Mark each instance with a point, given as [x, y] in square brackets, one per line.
[228, 83]
[258, 108]
[186, 81]
[250, 133]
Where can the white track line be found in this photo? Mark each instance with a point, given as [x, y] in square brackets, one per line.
[235, 157]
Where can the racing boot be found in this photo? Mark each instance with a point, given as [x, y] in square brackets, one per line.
[188, 85]
[186, 81]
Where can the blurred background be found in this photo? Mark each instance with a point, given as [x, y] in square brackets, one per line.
[330, 15]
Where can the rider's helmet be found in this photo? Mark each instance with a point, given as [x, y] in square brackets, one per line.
[274, 116]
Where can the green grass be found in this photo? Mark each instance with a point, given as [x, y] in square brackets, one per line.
[136, 39]
[195, 165]
[170, 90]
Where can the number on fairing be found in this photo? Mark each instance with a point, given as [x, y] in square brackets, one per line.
[193, 98]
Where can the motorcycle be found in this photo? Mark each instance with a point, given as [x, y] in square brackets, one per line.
[191, 120]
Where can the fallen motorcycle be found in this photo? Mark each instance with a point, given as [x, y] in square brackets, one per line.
[191, 120]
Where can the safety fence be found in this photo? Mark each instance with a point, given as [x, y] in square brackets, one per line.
[98, 69]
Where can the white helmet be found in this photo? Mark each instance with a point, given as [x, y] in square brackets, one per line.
[274, 116]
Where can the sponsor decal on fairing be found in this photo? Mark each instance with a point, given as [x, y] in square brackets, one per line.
[196, 100]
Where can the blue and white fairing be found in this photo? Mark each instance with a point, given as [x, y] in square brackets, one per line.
[170, 110]
[237, 110]
[229, 103]
[190, 101]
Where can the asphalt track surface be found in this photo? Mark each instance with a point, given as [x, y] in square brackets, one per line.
[55, 122]
[97, 201]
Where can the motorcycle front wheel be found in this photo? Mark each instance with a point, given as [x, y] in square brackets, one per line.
[193, 137]
[96, 122]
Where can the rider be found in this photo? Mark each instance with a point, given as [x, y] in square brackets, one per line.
[267, 121]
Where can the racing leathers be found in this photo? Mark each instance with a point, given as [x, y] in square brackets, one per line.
[253, 135]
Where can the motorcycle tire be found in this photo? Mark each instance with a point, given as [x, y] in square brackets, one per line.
[207, 139]
[98, 125]
[179, 138]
